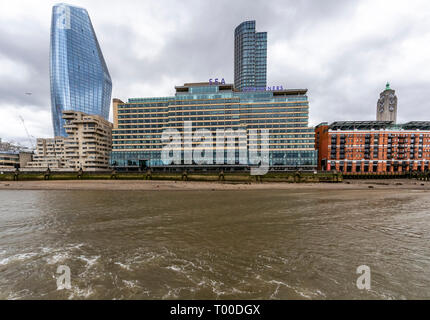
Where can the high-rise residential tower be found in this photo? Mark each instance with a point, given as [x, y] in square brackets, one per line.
[80, 79]
[250, 57]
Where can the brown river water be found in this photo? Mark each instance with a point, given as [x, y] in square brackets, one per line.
[303, 244]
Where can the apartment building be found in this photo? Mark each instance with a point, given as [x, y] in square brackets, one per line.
[373, 146]
[87, 146]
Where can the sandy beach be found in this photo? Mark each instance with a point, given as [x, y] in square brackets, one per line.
[149, 185]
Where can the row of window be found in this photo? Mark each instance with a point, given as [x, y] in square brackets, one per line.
[116, 147]
[152, 142]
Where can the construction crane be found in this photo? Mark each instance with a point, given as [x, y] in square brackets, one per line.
[28, 134]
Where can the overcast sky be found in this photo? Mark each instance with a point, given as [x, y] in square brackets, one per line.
[342, 51]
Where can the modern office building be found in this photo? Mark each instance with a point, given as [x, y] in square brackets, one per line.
[87, 146]
[13, 156]
[14, 159]
[9, 159]
[373, 146]
[140, 123]
[80, 79]
[250, 57]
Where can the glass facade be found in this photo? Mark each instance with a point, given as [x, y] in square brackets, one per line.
[250, 57]
[139, 123]
[80, 79]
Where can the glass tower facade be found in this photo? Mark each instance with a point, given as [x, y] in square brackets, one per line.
[80, 79]
[250, 57]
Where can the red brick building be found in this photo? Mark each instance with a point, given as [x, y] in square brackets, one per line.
[373, 146]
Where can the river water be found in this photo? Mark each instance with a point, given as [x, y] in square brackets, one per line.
[215, 244]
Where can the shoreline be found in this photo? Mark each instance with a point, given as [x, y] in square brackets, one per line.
[154, 185]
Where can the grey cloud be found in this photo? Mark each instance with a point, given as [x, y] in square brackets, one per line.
[204, 48]
[31, 50]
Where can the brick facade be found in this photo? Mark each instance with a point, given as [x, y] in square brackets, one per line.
[373, 147]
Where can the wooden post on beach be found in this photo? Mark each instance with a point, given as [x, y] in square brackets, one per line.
[16, 175]
[149, 174]
[47, 174]
[221, 176]
[297, 177]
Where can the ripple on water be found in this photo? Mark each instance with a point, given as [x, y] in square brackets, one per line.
[78, 293]
[268, 244]
[124, 266]
[17, 258]
[90, 261]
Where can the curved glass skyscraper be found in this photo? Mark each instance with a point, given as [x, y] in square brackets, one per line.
[250, 57]
[80, 79]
